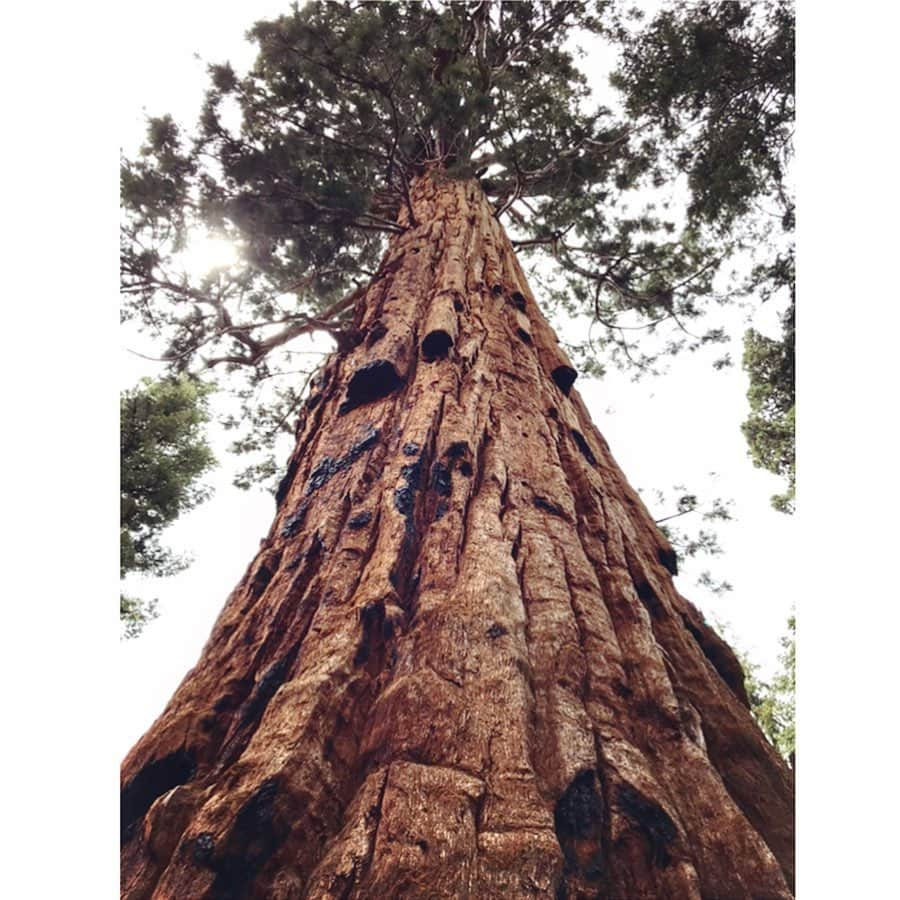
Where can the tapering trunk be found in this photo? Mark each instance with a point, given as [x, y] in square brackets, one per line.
[458, 666]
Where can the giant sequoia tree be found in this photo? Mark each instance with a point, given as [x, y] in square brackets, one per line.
[458, 665]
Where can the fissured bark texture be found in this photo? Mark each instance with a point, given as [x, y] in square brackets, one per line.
[458, 667]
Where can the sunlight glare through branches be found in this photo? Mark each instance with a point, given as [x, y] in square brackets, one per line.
[206, 252]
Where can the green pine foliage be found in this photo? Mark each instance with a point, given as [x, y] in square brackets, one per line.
[769, 428]
[715, 81]
[135, 614]
[772, 704]
[164, 452]
[305, 163]
[690, 529]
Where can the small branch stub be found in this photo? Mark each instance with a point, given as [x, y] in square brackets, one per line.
[441, 327]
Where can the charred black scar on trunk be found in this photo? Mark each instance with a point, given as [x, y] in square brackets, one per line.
[405, 503]
[155, 778]
[328, 467]
[652, 821]
[441, 482]
[405, 493]
[578, 819]
[254, 837]
[324, 471]
[360, 520]
[294, 522]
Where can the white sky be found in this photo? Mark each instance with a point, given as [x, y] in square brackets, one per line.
[676, 429]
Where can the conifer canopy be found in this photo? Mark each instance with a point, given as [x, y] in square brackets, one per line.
[305, 164]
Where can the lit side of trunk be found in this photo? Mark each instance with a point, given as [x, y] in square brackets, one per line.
[458, 666]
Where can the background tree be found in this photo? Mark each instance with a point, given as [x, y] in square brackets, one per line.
[773, 701]
[714, 85]
[769, 428]
[164, 452]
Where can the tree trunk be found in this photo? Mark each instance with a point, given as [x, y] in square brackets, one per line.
[458, 666]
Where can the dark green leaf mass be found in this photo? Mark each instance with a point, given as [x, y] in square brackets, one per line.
[769, 428]
[164, 452]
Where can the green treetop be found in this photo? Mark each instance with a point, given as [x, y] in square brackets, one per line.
[306, 161]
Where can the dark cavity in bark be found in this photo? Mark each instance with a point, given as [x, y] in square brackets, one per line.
[583, 446]
[263, 576]
[374, 627]
[156, 778]
[564, 377]
[648, 597]
[457, 449]
[436, 344]
[254, 838]
[578, 819]
[268, 684]
[669, 558]
[721, 657]
[285, 484]
[549, 507]
[370, 382]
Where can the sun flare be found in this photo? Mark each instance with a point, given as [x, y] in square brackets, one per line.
[205, 252]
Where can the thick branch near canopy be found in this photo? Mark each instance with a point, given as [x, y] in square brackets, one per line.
[327, 320]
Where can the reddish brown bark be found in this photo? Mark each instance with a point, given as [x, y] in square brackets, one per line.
[458, 666]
